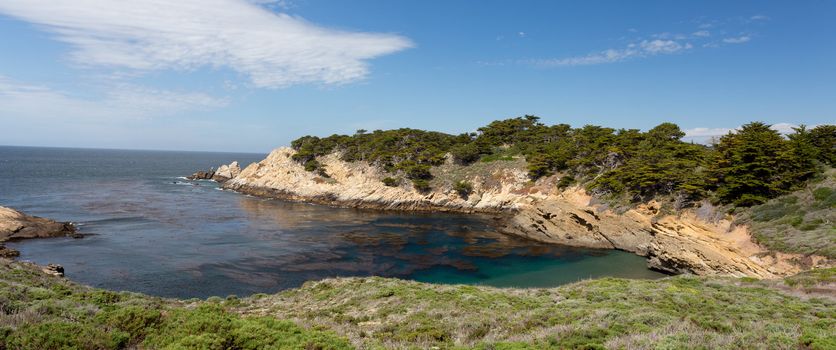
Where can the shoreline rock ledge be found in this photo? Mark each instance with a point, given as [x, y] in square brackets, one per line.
[15, 225]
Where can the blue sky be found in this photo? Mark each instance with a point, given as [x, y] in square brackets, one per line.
[242, 75]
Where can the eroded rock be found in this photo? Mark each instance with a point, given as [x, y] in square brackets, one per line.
[16, 225]
[53, 270]
[226, 172]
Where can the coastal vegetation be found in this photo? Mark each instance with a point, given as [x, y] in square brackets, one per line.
[746, 167]
[38, 311]
[799, 222]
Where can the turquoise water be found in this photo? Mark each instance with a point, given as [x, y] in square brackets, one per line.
[151, 231]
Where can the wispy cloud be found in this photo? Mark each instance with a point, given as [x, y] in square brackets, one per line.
[643, 49]
[737, 40]
[759, 18]
[18, 100]
[273, 50]
[664, 43]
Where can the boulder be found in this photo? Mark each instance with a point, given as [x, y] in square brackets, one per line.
[227, 172]
[202, 175]
[54, 270]
[8, 253]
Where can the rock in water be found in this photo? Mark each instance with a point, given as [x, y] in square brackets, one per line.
[227, 172]
[8, 253]
[16, 225]
[202, 175]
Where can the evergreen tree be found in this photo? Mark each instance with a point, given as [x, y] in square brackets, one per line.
[750, 165]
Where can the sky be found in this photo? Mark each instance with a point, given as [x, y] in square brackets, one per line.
[252, 75]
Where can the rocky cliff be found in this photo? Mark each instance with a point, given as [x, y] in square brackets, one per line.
[687, 242]
[358, 184]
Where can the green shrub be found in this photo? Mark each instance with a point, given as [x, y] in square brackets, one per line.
[391, 182]
[64, 335]
[133, 320]
[463, 188]
[210, 326]
[312, 165]
[466, 153]
[421, 185]
[565, 181]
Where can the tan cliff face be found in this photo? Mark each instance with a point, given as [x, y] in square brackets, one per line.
[358, 184]
[681, 243]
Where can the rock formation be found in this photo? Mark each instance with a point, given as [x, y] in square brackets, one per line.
[202, 175]
[358, 184]
[223, 174]
[681, 243]
[226, 172]
[15, 225]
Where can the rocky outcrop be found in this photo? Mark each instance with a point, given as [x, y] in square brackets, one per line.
[682, 243]
[15, 225]
[223, 174]
[53, 270]
[202, 175]
[359, 184]
[679, 243]
[226, 172]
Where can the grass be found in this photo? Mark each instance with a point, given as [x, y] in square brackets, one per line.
[801, 222]
[677, 312]
[44, 312]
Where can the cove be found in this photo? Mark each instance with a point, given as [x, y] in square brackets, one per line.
[150, 231]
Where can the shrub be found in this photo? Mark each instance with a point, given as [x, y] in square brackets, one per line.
[312, 165]
[421, 185]
[464, 188]
[391, 182]
[210, 326]
[565, 181]
[134, 320]
[64, 335]
[466, 153]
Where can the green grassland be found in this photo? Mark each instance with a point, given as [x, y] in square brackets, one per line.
[43, 312]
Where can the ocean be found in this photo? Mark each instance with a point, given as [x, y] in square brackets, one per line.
[148, 229]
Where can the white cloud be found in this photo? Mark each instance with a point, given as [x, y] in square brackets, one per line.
[759, 18]
[644, 48]
[784, 128]
[737, 40]
[19, 100]
[273, 50]
[706, 135]
[702, 33]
